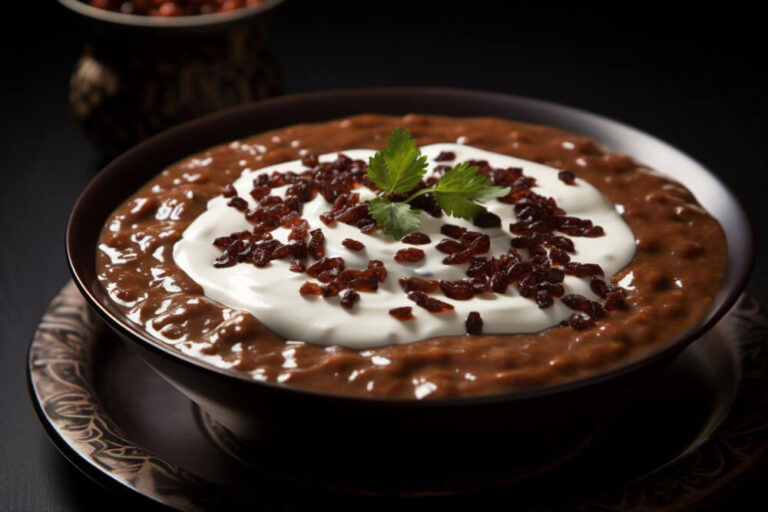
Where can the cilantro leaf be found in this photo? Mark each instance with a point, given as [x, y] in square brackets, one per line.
[395, 219]
[399, 167]
[459, 190]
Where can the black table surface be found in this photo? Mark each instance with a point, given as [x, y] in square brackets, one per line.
[693, 79]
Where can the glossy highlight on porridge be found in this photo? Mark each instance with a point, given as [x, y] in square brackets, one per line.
[677, 263]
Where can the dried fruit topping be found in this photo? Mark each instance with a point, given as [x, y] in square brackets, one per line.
[452, 230]
[348, 299]
[486, 219]
[316, 244]
[459, 290]
[583, 269]
[416, 238]
[403, 314]
[567, 177]
[353, 245]
[417, 284]
[445, 156]
[238, 203]
[228, 191]
[409, 255]
[447, 246]
[429, 303]
[578, 322]
[310, 289]
[474, 323]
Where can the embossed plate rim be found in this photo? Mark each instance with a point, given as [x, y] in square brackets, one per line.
[68, 334]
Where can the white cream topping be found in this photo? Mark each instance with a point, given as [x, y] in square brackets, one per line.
[271, 294]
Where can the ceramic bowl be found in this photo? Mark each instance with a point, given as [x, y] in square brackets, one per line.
[312, 428]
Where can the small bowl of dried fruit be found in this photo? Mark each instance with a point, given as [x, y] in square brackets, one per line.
[148, 65]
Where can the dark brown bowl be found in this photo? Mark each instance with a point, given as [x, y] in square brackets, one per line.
[524, 429]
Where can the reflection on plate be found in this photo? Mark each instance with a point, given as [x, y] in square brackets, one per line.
[679, 441]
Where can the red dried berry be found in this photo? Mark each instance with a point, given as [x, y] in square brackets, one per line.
[417, 284]
[416, 238]
[316, 244]
[348, 299]
[297, 266]
[486, 219]
[544, 299]
[447, 246]
[332, 265]
[403, 314]
[575, 301]
[410, 255]
[578, 321]
[566, 177]
[364, 284]
[429, 303]
[238, 203]
[452, 230]
[599, 286]
[583, 269]
[331, 289]
[353, 245]
[474, 323]
[310, 289]
[559, 256]
[458, 258]
[445, 156]
[459, 290]
[310, 161]
[228, 191]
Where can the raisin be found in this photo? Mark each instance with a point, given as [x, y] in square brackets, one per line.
[331, 289]
[576, 301]
[416, 238]
[364, 284]
[599, 287]
[544, 299]
[310, 161]
[559, 256]
[486, 219]
[353, 245]
[403, 313]
[447, 246]
[410, 255]
[583, 269]
[238, 203]
[445, 156]
[228, 191]
[310, 289]
[578, 321]
[333, 265]
[316, 244]
[459, 290]
[474, 323]
[429, 303]
[458, 258]
[348, 299]
[566, 177]
[417, 284]
[452, 230]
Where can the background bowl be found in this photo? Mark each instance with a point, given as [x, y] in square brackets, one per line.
[310, 428]
[139, 75]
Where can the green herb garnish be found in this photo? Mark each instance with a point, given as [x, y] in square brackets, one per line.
[399, 167]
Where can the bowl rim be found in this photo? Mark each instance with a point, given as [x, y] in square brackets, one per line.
[741, 268]
[164, 22]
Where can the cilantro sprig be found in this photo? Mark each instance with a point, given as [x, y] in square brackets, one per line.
[398, 168]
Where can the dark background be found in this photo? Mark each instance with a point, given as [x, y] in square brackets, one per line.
[695, 79]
